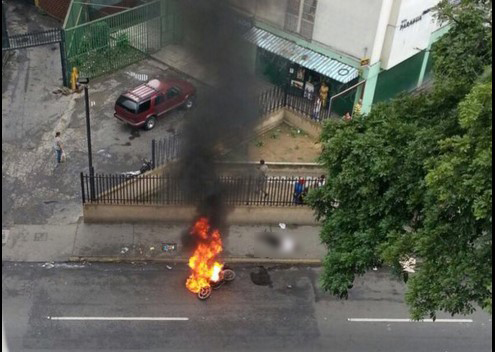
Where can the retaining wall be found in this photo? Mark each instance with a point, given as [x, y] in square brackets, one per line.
[103, 213]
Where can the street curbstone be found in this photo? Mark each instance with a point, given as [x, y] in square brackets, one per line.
[232, 260]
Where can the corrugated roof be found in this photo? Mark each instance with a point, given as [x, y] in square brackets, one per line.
[305, 57]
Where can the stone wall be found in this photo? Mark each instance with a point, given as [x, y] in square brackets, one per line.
[104, 213]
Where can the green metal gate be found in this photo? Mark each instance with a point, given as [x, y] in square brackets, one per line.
[100, 45]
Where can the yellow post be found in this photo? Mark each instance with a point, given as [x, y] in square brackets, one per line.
[73, 78]
[37, 3]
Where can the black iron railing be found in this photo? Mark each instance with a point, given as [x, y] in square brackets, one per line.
[165, 150]
[168, 149]
[168, 190]
[28, 40]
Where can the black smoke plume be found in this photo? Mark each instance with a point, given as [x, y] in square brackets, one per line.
[224, 114]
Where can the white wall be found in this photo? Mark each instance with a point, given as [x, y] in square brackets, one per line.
[348, 26]
[409, 29]
[360, 28]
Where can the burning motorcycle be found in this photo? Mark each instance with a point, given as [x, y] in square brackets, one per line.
[147, 166]
[208, 273]
[226, 275]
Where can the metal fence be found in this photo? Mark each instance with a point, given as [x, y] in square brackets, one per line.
[106, 44]
[169, 190]
[282, 97]
[272, 100]
[168, 149]
[165, 150]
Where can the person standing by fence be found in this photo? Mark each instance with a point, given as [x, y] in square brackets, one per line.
[262, 178]
[300, 191]
[317, 109]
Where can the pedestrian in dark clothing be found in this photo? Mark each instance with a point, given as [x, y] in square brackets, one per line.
[300, 191]
[59, 148]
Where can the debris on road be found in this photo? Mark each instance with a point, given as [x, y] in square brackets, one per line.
[124, 250]
[104, 153]
[48, 265]
[169, 267]
[282, 226]
[169, 247]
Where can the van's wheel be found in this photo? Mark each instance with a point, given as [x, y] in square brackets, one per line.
[189, 104]
[150, 123]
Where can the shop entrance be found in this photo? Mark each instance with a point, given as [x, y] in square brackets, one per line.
[305, 83]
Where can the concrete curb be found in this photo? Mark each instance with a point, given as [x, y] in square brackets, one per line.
[232, 260]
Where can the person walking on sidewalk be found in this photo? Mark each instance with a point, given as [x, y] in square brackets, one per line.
[262, 177]
[59, 147]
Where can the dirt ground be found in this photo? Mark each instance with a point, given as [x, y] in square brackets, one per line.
[282, 144]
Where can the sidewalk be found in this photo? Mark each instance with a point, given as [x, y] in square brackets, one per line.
[128, 242]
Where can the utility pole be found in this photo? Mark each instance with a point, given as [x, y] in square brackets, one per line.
[85, 82]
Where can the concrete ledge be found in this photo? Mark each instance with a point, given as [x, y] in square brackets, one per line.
[232, 260]
[106, 213]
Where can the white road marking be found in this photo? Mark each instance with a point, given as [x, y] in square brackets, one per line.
[119, 318]
[370, 320]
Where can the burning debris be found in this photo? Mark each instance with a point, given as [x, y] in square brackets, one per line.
[207, 271]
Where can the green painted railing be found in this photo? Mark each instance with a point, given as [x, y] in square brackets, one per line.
[102, 45]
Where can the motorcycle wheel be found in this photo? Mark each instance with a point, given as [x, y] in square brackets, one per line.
[204, 293]
[228, 275]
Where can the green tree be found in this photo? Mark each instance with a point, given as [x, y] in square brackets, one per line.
[455, 242]
[413, 179]
[462, 55]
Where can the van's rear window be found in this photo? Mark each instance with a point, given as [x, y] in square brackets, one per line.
[127, 104]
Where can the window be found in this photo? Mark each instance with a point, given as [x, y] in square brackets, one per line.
[127, 104]
[159, 99]
[172, 93]
[144, 106]
[292, 17]
[300, 17]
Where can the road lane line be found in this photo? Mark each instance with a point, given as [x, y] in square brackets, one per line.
[119, 318]
[371, 320]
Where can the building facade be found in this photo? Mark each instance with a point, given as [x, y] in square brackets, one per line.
[368, 50]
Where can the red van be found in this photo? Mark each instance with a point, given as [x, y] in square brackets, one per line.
[141, 106]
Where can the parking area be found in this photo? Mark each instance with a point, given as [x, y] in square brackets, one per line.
[35, 190]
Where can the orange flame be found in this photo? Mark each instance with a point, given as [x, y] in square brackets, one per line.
[205, 268]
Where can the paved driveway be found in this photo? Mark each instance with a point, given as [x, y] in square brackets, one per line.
[34, 191]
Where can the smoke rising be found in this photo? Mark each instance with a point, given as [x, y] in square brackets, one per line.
[225, 114]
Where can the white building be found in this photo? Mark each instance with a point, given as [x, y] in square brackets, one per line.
[382, 43]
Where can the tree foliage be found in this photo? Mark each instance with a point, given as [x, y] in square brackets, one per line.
[413, 179]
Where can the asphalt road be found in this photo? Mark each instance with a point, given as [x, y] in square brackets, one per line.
[291, 314]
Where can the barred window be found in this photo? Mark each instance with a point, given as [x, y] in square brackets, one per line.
[301, 19]
[292, 23]
[309, 10]
[293, 7]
